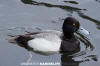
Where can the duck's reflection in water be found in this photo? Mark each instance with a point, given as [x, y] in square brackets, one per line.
[68, 61]
[67, 58]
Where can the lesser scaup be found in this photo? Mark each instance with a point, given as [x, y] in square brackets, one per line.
[52, 41]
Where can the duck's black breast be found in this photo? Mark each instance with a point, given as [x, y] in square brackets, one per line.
[69, 45]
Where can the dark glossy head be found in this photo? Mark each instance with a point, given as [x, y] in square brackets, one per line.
[70, 26]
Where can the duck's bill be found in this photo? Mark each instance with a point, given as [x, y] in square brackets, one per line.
[83, 32]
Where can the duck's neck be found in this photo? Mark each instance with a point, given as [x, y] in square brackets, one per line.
[68, 36]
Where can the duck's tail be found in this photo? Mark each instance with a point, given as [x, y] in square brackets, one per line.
[12, 39]
[21, 40]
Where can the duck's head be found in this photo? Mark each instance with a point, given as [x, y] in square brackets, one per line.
[72, 25]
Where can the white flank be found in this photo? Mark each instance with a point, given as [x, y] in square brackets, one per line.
[45, 46]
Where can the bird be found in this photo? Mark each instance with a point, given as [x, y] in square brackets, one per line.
[48, 42]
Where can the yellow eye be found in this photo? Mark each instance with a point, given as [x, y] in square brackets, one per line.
[73, 24]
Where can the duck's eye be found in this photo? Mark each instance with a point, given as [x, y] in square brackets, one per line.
[74, 24]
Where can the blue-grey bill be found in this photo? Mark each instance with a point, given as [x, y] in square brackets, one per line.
[83, 32]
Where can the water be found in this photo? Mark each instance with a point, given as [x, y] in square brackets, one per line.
[19, 16]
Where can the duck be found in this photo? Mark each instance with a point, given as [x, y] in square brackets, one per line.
[49, 42]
